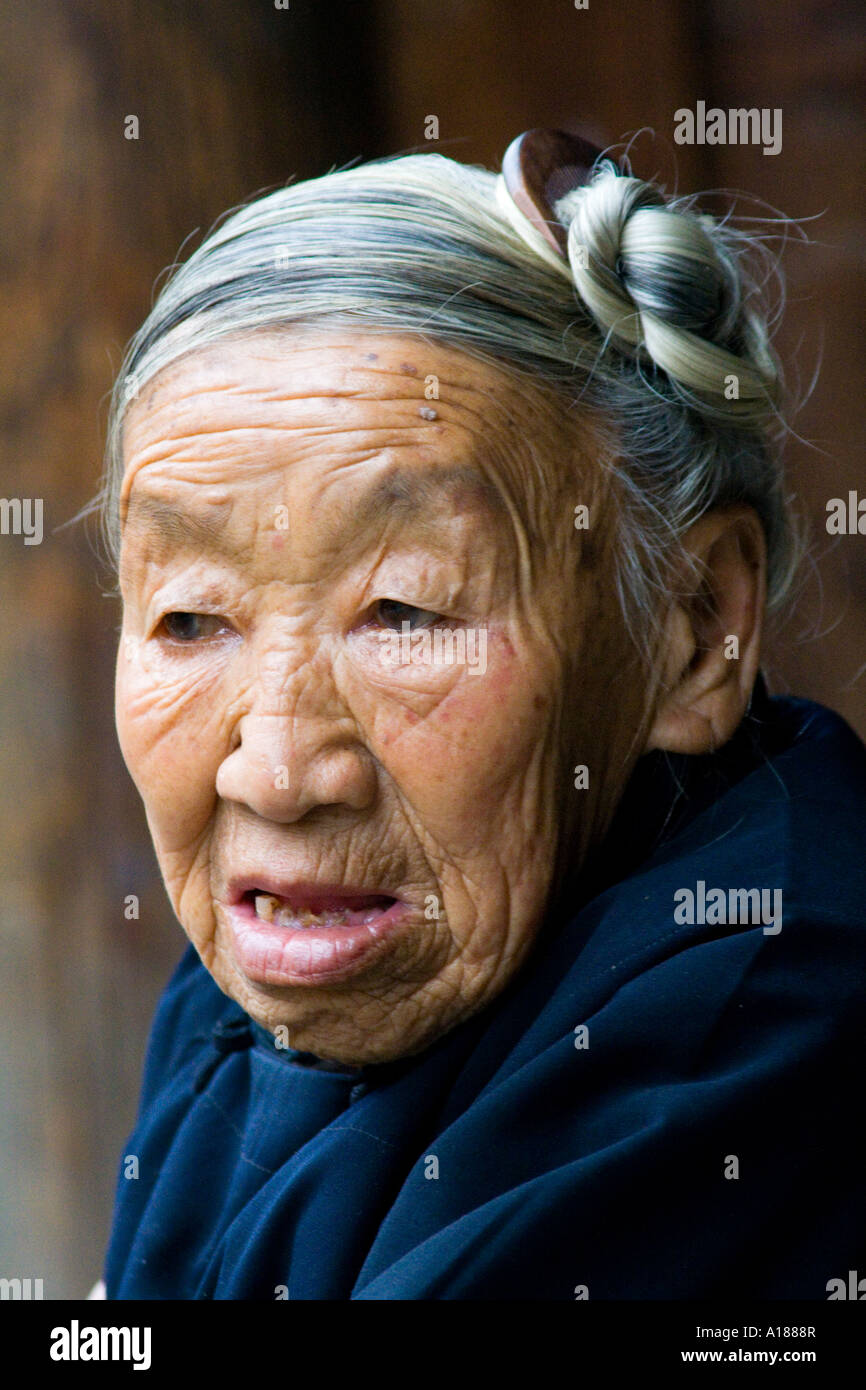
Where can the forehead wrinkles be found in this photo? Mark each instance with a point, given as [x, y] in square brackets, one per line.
[227, 403]
[309, 373]
[510, 433]
[398, 478]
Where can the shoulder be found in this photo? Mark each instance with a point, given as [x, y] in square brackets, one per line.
[770, 876]
[745, 928]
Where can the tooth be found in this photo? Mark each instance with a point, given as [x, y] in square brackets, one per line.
[282, 914]
[266, 906]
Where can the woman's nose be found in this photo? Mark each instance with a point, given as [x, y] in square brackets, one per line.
[295, 748]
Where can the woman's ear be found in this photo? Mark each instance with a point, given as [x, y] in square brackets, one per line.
[710, 650]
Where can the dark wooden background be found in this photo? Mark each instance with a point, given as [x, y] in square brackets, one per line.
[232, 97]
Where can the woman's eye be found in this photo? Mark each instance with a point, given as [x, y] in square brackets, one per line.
[191, 627]
[389, 612]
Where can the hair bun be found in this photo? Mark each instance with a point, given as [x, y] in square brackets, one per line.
[665, 283]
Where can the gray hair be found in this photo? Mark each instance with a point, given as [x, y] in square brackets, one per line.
[654, 326]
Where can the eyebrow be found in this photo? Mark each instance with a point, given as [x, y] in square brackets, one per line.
[177, 526]
[402, 492]
[407, 494]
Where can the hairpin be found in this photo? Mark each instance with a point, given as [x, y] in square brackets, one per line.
[540, 167]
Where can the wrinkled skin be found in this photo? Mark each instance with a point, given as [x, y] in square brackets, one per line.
[411, 780]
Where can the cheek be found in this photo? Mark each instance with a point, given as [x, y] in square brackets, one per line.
[170, 748]
[475, 756]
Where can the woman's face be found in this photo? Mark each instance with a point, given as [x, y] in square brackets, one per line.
[358, 821]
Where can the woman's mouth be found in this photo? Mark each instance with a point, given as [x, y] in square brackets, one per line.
[310, 934]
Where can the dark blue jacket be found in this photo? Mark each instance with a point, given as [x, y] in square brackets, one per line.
[651, 1109]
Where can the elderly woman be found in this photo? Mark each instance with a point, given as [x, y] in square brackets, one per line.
[525, 926]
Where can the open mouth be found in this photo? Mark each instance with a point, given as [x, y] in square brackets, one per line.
[309, 934]
[326, 910]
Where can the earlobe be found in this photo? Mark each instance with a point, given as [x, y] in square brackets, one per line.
[710, 650]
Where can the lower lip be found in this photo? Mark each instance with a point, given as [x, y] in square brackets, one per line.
[273, 955]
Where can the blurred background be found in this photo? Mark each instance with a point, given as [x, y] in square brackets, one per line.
[233, 97]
